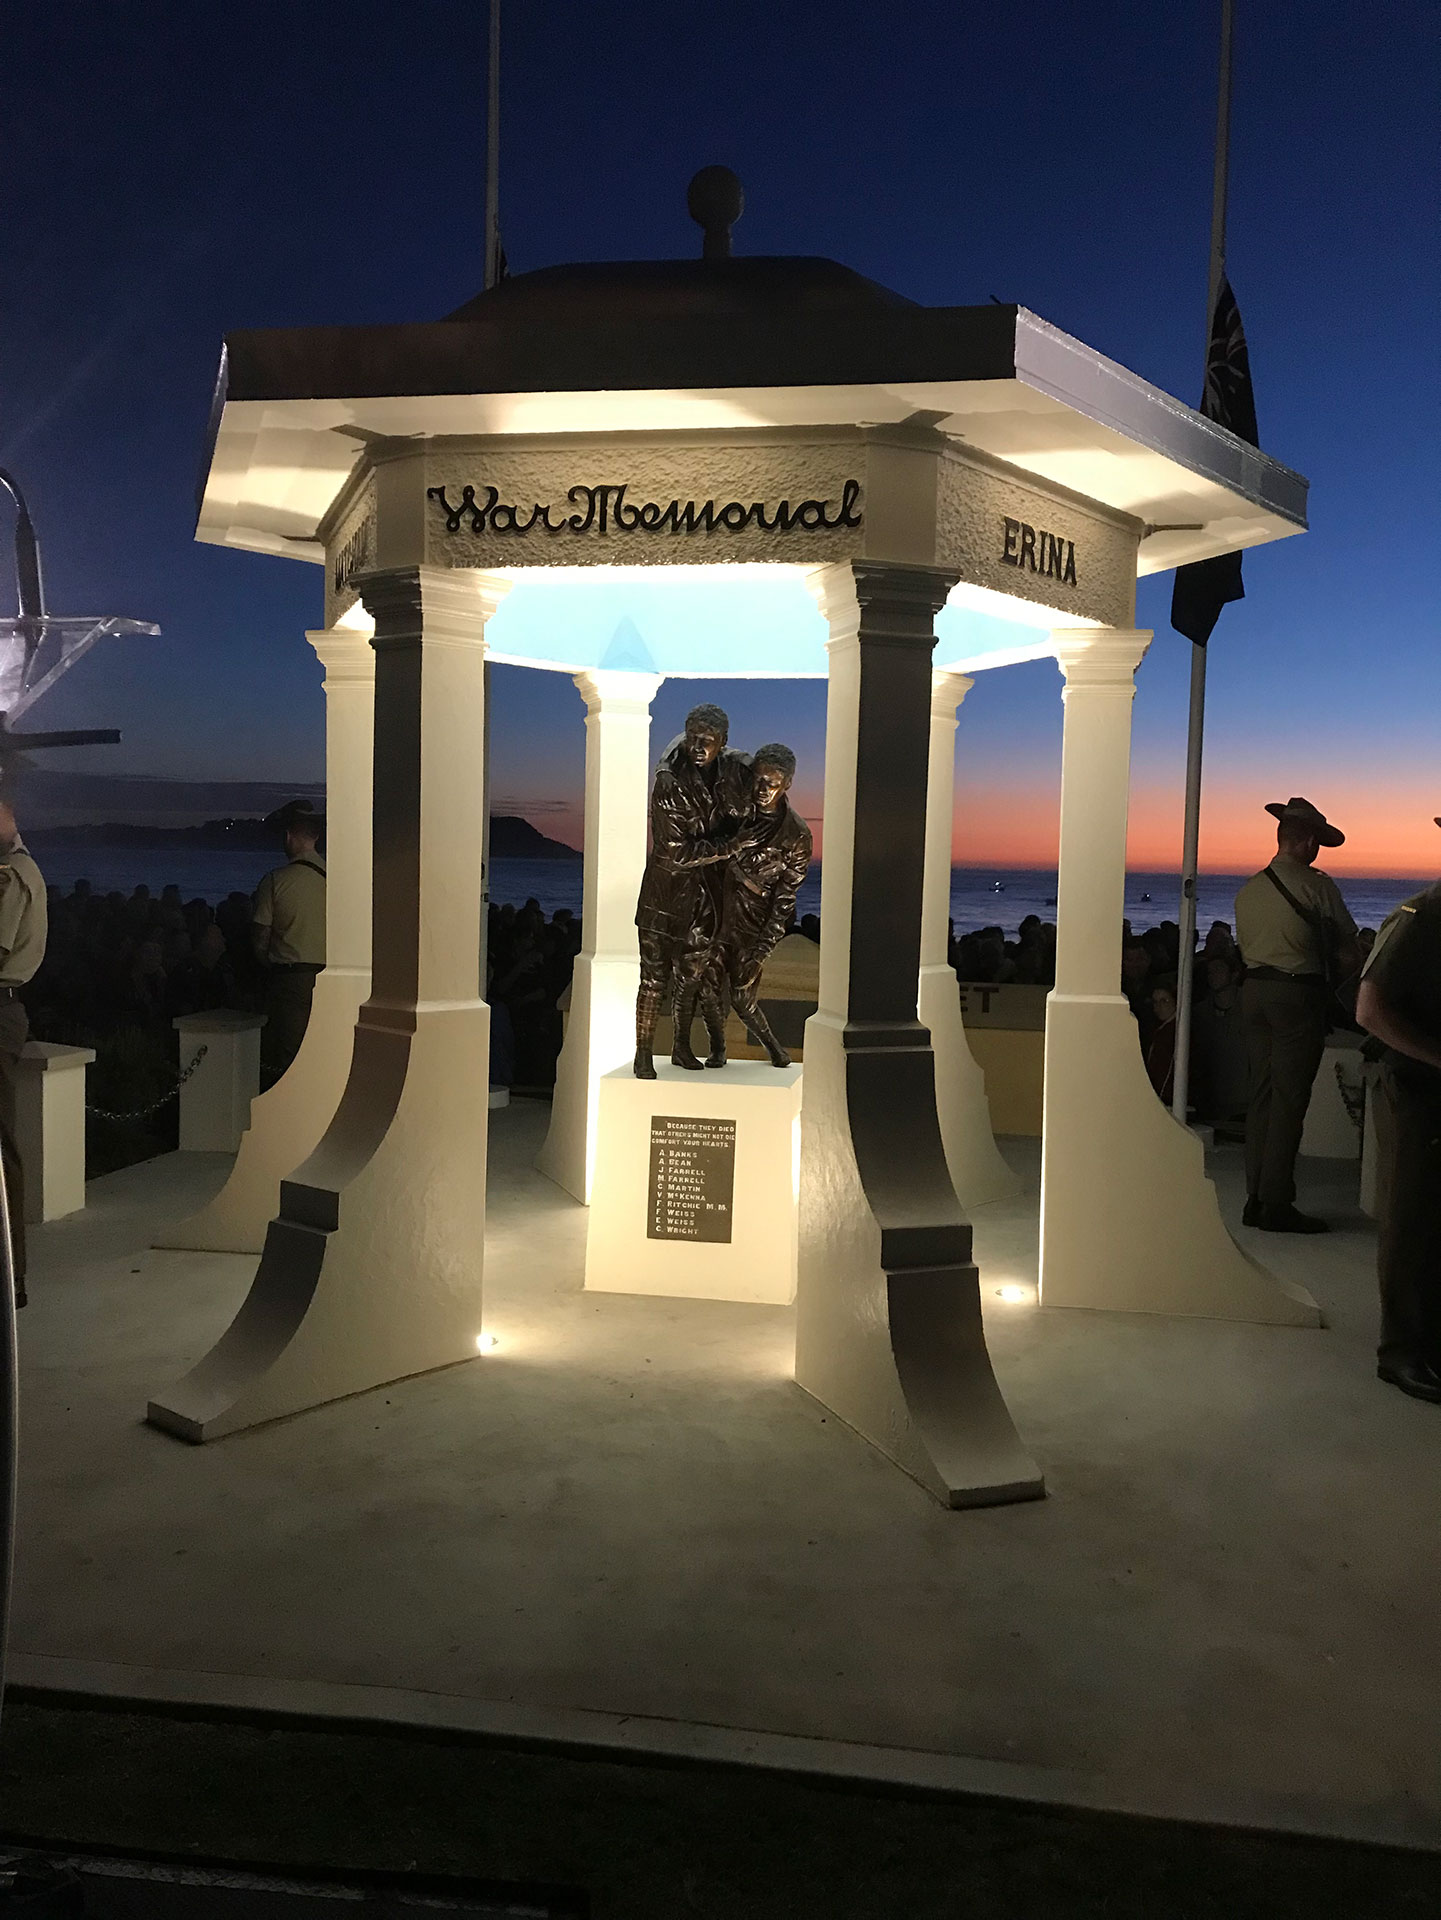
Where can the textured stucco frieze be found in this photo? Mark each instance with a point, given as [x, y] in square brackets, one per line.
[1074, 560]
[350, 548]
[806, 496]
[693, 500]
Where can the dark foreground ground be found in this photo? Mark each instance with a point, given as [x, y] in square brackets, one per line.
[550, 1834]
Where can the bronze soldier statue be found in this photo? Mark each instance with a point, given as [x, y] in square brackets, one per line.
[701, 793]
[764, 866]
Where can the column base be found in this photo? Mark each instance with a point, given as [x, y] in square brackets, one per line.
[978, 1172]
[286, 1122]
[1129, 1221]
[372, 1269]
[888, 1319]
[599, 1037]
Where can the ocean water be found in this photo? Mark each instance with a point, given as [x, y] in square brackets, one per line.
[992, 897]
[980, 896]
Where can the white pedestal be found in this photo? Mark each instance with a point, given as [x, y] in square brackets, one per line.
[50, 1128]
[215, 1100]
[688, 1155]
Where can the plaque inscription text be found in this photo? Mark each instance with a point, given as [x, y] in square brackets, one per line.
[692, 1178]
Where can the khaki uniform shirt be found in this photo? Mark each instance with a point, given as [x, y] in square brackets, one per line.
[290, 902]
[1270, 932]
[23, 918]
[1404, 966]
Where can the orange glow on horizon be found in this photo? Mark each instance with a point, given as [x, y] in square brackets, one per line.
[1389, 826]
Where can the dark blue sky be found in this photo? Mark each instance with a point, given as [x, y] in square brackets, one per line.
[174, 170]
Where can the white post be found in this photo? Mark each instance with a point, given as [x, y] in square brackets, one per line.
[600, 1029]
[888, 1312]
[1128, 1218]
[978, 1172]
[220, 1058]
[289, 1118]
[372, 1268]
[50, 1127]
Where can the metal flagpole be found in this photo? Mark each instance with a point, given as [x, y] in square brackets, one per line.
[1191, 836]
[492, 154]
[492, 274]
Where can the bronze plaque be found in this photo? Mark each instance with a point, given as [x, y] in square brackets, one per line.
[692, 1178]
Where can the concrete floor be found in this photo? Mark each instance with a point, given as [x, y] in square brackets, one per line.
[1226, 1608]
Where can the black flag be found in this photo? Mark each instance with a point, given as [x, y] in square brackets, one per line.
[1204, 587]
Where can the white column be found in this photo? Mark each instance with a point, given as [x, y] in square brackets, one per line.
[600, 1028]
[288, 1119]
[372, 1268]
[978, 1172]
[888, 1312]
[1128, 1218]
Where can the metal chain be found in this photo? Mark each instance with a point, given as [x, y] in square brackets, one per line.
[1352, 1098]
[143, 1113]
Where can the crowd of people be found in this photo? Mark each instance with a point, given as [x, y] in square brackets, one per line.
[987, 957]
[1150, 967]
[118, 969]
[529, 962]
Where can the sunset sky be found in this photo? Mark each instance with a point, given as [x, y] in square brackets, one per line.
[173, 171]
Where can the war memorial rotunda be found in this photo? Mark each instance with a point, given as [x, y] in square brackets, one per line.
[714, 468]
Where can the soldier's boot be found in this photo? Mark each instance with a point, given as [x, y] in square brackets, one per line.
[682, 1054]
[647, 1008]
[714, 1014]
[759, 1029]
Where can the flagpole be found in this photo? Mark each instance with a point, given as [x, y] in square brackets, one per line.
[492, 274]
[492, 154]
[1191, 833]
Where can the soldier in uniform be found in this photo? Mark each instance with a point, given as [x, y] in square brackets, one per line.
[762, 874]
[22, 948]
[1400, 1003]
[288, 933]
[1295, 936]
[701, 792]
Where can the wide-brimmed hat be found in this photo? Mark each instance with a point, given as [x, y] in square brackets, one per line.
[1299, 812]
[297, 813]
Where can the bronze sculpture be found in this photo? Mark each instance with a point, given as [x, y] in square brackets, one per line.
[701, 793]
[728, 855]
[762, 873]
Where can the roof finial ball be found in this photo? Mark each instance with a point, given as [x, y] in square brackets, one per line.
[716, 200]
